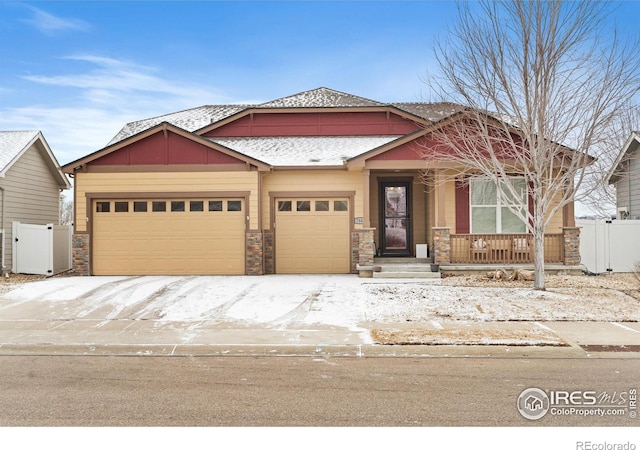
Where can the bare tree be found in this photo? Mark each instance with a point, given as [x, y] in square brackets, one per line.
[66, 210]
[601, 197]
[544, 82]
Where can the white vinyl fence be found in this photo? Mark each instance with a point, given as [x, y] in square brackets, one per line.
[609, 245]
[41, 249]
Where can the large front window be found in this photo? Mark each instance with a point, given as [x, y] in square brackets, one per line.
[490, 212]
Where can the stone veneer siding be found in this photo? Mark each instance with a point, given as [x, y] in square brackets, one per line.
[441, 245]
[268, 250]
[80, 253]
[571, 241]
[254, 254]
[362, 248]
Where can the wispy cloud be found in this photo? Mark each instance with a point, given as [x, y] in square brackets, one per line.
[49, 24]
[102, 94]
[111, 75]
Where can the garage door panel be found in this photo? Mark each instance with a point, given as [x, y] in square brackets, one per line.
[313, 241]
[167, 243]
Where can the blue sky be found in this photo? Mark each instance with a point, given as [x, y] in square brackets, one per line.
[80, 70]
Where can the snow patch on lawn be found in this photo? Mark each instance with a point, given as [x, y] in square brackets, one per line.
[421, 303]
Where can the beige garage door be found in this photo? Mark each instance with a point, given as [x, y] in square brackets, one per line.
[168, 237]
[312, 235]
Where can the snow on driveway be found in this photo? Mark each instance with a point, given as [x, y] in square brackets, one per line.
[276, 301]
[282, 301]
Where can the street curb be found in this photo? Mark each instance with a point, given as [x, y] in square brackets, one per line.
[271, 350]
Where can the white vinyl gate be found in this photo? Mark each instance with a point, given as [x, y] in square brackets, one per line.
[609, 245]
[41, 249]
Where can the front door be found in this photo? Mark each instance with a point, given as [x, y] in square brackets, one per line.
[395, 218]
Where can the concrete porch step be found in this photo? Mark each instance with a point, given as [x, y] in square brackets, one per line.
[398, 274]
[408, 268]
[404, 267]
[400, 260]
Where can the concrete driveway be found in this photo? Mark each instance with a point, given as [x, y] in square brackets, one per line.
[278, 314]
[177, 310]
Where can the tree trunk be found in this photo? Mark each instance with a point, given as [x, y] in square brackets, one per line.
[538, 258]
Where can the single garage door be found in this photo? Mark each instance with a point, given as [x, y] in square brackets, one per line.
[312, 235]
[168, 237]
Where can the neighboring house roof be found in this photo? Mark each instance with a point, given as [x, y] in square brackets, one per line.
[629, 147]
[304, 150]
[13, 144]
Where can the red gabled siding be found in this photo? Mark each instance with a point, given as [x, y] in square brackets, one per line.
[410, 151]
[158, 149]
[316, 124]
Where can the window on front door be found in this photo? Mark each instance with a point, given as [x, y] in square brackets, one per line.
[490, 212]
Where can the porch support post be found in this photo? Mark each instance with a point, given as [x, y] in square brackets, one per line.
[440, 184]
[362, 249]
[441, 245]
[571, 243]
[569, 215]
[366, 197]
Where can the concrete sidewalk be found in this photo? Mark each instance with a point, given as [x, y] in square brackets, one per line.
[151, 338]
[138, 316]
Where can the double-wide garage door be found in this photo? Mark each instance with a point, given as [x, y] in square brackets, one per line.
[168, 236]
[312, 235]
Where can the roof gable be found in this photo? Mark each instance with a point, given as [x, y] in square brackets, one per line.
[13, 144]
[164, 144]
[629, 147]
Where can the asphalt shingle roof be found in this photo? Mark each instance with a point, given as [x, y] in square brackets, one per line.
[320, 98]
[12, 143]
[304, 150]
[196, 118]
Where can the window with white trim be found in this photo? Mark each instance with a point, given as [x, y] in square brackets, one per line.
[490, 213]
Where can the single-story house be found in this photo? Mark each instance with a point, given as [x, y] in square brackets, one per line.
[317, 182]
[31, 181]
[625, 176]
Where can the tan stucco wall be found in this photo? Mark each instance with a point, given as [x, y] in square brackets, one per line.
[296, 181]
[164, 182]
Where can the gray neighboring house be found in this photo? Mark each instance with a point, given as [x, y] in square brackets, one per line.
[625, 176]
[30, 185]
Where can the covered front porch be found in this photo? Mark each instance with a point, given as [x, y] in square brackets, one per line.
[418, 217]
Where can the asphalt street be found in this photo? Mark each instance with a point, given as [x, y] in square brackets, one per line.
[189, 391]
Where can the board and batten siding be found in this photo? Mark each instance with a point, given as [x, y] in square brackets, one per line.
[32, 195]
[164, 182]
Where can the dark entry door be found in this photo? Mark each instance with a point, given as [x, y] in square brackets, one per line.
[395, 207]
